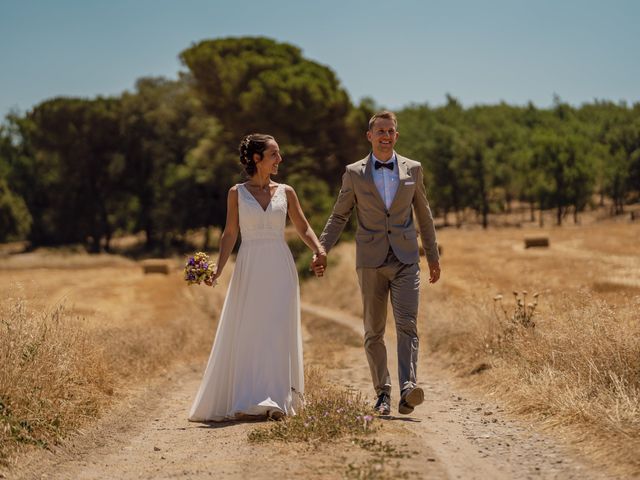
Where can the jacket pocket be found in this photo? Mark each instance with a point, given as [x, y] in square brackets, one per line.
[364, 238]
[410, 235]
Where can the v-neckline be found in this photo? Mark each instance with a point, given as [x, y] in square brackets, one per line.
[264, 210]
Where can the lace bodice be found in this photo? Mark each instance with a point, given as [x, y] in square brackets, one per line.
[256, 223]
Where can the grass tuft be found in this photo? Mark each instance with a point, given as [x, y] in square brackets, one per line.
[330, 413]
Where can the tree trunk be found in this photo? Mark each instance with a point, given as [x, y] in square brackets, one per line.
[532, 206]
[150, 240]
[485, 213]
[207, 238]
[106, 227]
[94, 245]
[107, 244]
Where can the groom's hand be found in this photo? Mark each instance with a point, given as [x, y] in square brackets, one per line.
[434, 272]
[319, 264]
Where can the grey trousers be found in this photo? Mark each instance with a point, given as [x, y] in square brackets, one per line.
[402, 281]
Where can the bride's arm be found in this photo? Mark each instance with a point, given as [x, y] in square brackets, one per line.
[230, 234]
[301, 224]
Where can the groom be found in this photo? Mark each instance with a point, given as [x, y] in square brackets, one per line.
[387, 190]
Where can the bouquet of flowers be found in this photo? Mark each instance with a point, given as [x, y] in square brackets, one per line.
[198, 269]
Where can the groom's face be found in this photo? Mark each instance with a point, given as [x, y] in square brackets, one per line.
[383, 136]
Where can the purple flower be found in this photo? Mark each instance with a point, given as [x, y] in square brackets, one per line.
[191, 261]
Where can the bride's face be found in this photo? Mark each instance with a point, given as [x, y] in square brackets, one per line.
[270, 158]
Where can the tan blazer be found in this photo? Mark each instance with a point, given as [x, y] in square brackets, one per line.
[378, 228]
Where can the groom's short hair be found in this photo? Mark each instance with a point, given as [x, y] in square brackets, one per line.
[383, 114]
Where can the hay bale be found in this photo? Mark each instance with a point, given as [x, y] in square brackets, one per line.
[155, 265]
[536, 242]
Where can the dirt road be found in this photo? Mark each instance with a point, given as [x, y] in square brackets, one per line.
[455, 434]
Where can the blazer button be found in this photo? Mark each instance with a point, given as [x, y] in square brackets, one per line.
[388, 231]
[388, 214]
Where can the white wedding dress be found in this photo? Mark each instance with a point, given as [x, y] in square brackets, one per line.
[255, 366]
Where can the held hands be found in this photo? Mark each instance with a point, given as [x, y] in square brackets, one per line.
[319, 263]
[434, 272]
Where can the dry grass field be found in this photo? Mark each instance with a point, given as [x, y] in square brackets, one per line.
[77, 330]
[577, 370]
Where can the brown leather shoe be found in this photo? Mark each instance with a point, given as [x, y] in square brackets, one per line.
[409, 399]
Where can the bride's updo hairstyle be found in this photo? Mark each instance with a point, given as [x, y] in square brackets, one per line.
[250, 144]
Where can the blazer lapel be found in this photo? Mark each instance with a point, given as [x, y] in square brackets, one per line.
[367, 175]
[403, 169]
[403, 175]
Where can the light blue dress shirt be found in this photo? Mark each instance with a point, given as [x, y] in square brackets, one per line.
[386, 180]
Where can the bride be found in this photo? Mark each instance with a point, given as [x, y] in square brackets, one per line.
[255, 366]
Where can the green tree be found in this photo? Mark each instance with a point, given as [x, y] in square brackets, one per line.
[563, 162]
[258, 84]
[432, 136]
[73, 169]
[15, 219]
[160, 125]
[622, 173]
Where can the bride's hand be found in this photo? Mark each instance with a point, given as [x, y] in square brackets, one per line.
[213, 280]
[319, 263]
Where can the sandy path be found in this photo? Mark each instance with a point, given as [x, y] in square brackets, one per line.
[453, 435]
[470, 437]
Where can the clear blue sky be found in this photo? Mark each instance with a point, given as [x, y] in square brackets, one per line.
[396, 51]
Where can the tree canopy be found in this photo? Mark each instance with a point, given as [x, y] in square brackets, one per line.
[161, 158]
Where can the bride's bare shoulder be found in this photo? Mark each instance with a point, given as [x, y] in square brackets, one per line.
[233, 192]
[235, 188]
[288, 189]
